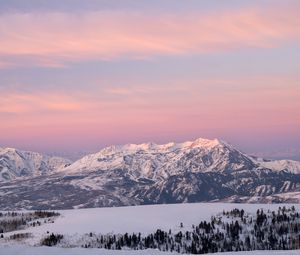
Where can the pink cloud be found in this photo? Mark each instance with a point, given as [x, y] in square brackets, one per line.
[262, 105]
[52, 39]
[37, 102]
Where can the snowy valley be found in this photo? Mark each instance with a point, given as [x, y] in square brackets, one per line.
[182, 223]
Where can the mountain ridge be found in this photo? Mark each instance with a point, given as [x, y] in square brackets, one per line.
[16, 163]
[196, 171]
[103, 158]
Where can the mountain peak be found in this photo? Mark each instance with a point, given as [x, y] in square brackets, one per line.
[201, 142]
[8, 149]
[151, 160]
[151, 146]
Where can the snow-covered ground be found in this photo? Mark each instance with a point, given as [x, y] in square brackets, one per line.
[144, 219]
[119, 220]
[26, 250]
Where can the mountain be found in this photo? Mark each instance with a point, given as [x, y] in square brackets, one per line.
[279, 165]
[16, 163]
[157, 162]
[200, 170]
[153, 161]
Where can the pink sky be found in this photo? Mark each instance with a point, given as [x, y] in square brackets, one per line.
[81, 80]
[54, 39]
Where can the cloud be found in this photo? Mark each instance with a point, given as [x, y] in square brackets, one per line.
[258, 96]
[5, 65]
[55, 39]
[257, 106]
[20, 103]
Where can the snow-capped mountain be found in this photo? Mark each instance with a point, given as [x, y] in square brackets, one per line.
[200, 170]
[279, 165]
[153, 161]
[16, 163]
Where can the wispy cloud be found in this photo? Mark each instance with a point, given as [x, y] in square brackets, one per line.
[260, 106]
[277, 94]
[54, 39]
[37, 103]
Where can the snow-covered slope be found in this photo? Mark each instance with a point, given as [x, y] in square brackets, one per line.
[201, 170]
[155, 161]
[27, 250]
[280, 165]
[147, 160]
[16, 163]
[145, 219]
[74, 224]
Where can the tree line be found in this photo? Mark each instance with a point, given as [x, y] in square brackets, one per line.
[229, 231]
[11, 221]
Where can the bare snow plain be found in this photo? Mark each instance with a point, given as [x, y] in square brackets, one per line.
[119, 220]
[24, 250]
